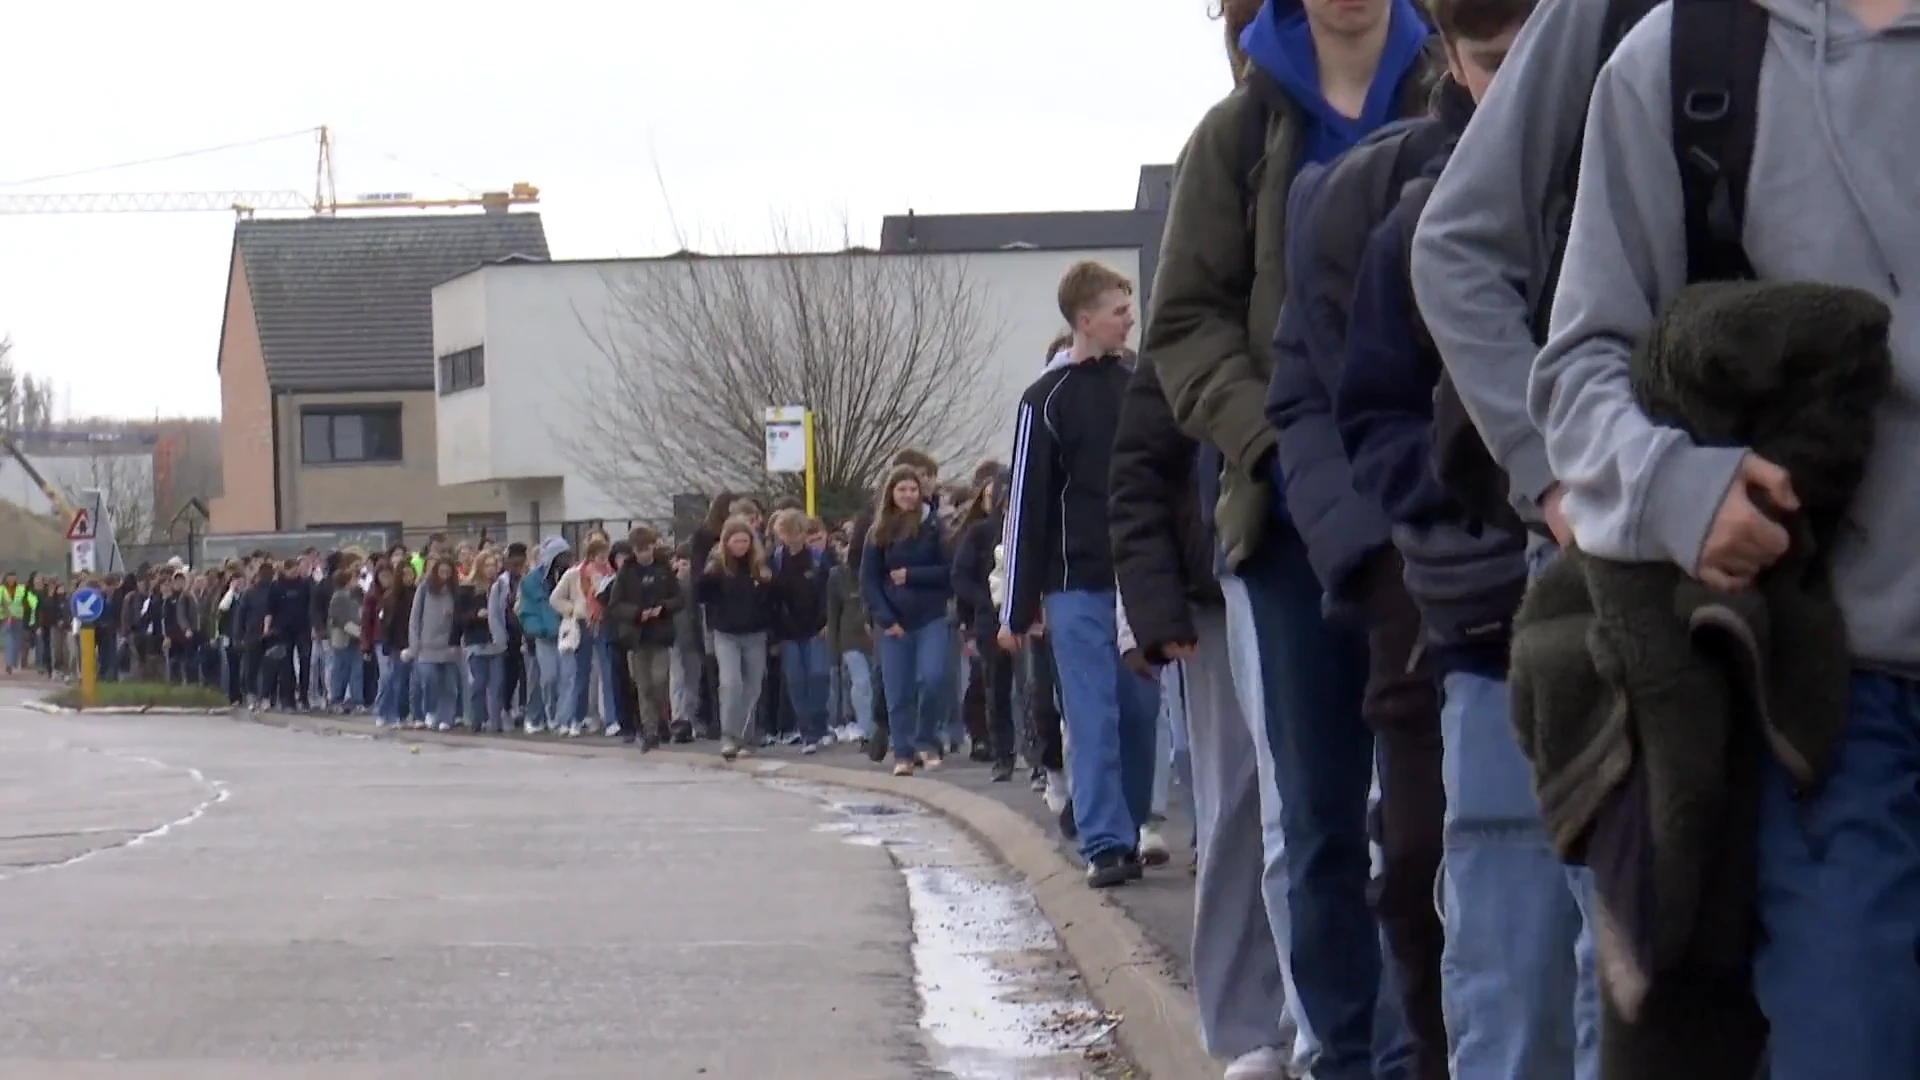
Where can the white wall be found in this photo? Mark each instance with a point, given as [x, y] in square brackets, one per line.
[129, 474]
[539, 323]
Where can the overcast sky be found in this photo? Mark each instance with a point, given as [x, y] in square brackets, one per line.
[750, 110]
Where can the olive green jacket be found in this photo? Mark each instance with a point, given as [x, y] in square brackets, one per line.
[1218, 288]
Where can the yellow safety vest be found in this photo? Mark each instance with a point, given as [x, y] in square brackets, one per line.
[14, 602]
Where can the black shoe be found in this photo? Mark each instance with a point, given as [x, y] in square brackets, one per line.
[877, 746]
[1107, 870]
[649, 744]
[1068, 828]
[680, 733]
[981, 752]
[1134, 867]
[1002, 771]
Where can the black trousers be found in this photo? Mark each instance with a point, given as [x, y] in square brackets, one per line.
[513, 682]
[1402, 707]
[1043, 706]
[995, 678]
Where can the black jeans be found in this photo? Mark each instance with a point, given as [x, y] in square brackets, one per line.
[995, 677]
[1043, 706]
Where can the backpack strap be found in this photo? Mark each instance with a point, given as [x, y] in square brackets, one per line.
[1717, 48]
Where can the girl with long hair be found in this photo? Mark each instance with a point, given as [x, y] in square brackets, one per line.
[434, 644]
[483, 639]
[394, 704]
[905, 580]
[735, 587]
[576, 601]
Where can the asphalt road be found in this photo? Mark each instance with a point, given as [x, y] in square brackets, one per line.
[206, 898]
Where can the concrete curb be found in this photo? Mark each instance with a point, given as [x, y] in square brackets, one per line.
[1160, 1027]
[48, 707]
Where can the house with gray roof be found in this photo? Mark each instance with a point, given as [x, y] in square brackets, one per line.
[327, 369]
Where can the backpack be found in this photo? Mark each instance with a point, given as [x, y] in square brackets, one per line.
[1716, 49]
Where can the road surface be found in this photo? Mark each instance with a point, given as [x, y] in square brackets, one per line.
[205, 898]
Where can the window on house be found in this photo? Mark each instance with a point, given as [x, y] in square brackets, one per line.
[463, 370]
[357, 434]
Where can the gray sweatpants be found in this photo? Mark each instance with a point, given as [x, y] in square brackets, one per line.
[1238, 979]
[742, 659]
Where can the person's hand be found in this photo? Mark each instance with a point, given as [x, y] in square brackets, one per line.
[896, 631]
[899, 576]
[1556, 516]
[1180, 650]
[406, 655]
[1007, 641]
[967, 648]
[1137, 663]
[1744, 539]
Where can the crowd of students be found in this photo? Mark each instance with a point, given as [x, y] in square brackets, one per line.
[1402, 361]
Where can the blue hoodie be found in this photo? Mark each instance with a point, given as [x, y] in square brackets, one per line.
[537, 617]
[1280, 43]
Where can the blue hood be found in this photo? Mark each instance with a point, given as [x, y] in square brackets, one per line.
[1280, 42]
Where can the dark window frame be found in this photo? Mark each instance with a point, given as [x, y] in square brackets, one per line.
[462, 369]
[368, 455]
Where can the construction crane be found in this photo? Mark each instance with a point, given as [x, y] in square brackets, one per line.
[324, 201]
[62, 509]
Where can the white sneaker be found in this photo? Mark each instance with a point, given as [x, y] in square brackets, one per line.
[443, 726]
[1153, 846]
[613, 730]
[1266, 1063]
[812, 748]
[1056, 794]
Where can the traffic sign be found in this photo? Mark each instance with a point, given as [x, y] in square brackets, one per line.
[82, 526]
[84, 560]
[89, 604]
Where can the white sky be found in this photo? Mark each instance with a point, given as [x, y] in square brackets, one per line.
[751, 110]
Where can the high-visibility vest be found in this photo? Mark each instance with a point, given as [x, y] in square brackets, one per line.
[14, 602]
[419, 564]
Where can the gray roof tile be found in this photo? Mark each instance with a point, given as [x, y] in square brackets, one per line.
[346, 303]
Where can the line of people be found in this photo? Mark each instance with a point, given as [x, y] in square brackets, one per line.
[1439, 306]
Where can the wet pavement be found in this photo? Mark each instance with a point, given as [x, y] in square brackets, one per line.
[198, 897]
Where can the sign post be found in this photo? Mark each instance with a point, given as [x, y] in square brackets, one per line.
[790, 447]
[89, 603]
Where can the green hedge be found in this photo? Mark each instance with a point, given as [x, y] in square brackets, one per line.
[133, 695]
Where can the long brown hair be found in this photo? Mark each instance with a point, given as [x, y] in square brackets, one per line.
[719, 562]
[434, 584]
[890, 523]
[717, 512]
[1238, 15]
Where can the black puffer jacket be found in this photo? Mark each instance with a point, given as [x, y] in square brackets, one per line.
[636, 588]
[1162, 552]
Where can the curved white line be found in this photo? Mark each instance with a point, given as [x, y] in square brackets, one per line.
[217, 793]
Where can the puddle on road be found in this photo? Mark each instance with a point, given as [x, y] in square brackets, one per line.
[999, 999]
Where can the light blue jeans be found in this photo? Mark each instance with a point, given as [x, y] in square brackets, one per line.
[16, 639]
[394, 699]
[913, 673]
[543, 683]
[576, 682]
[486, 677]
[1243, 656]
[438, 686]
[1108, 720]
[1517, 976]
[859, 671]
[343, 674]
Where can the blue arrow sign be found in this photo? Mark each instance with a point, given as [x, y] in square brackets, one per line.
[89, 604]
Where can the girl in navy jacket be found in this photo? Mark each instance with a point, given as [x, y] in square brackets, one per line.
[906, 579]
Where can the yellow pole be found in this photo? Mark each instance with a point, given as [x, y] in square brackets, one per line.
[806, 431]
[89, 668]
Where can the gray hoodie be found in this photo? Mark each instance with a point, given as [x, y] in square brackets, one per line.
[1484, 250]
[1830, 199]
[431, 634]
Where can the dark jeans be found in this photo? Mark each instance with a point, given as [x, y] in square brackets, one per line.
[1315, 678]
[996, 681]
[1043, 705]
[513, 675]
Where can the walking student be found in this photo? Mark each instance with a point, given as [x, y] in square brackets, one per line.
[906, 581]
[735, 589]
[983, 522]
[433, 637]
[850, 634]
[800, 620]
[541, 624]
[483, 639]
[642, 608]
[1060, 563]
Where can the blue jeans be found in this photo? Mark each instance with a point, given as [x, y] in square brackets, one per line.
[603, 661]
[1518, 976]
[438, 686]
[486, 677]
[543, 683]
[16, 639]
[1110, 715]
[859, 689]
[1313, 678]
[343, 676]
[914, 677]
[806, 666]
[1837, 971]
[394, 698]
[576, 682]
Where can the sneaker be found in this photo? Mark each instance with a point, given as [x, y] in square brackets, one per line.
[746, 751]
[729, 749]
[1055, 790]
[1153, 847]
[769, 740]
[1002, 772]
[903, 767]
[1266, 1063]
[812, 748]
[931, 759]
[980, 752]
[1107, 870]
[791, 738]
[1038, 781]
[443, 726]
[535, 729]
[613, 731]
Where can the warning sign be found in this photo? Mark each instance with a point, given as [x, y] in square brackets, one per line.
[81, 528]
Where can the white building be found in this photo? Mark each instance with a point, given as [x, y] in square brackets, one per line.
[526, 353]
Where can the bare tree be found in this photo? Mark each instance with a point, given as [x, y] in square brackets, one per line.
[887, 350]
[126, 491]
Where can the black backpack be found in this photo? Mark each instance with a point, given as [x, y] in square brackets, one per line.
[1717, 46]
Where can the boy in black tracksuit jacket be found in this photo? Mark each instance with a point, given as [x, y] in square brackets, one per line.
[1059, 554]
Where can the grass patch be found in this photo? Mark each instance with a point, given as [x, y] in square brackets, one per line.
[134, 695]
